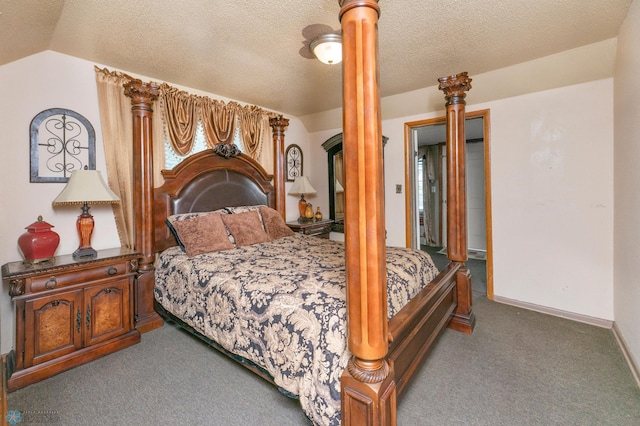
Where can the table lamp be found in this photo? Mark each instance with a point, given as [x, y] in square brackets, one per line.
[300, 187]
[84, 187]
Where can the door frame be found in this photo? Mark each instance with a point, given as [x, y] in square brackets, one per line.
[411, 219]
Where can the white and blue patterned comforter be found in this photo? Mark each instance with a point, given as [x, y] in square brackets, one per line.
[281, 305]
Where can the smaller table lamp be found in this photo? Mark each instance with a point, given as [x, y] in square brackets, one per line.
[300, 187]
[83, 187]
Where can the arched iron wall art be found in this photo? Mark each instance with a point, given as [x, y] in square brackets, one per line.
[293, 157]
[62, 141]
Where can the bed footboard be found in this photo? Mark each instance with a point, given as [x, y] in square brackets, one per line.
[414, 329]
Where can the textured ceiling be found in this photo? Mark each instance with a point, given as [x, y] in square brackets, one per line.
[250, 50]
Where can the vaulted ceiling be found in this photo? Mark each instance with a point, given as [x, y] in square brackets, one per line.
[256, 51]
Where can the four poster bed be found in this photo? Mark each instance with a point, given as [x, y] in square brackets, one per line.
[341, 326]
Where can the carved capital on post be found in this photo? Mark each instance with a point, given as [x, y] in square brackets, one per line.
[142, 96]
[454, 87]
[278, 125]
[141, 93]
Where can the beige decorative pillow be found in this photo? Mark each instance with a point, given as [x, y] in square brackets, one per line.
[274, 224]
[203, 234]
[246, 228]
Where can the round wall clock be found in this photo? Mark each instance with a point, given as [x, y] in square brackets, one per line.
[293, 157]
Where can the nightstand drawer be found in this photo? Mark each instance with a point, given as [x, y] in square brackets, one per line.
[64, 279]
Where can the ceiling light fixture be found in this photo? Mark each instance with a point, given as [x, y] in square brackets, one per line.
[327, 48]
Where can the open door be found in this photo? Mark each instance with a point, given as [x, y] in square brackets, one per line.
[421, 185]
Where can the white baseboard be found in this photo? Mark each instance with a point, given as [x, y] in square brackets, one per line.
[633, 364]
[599, 322]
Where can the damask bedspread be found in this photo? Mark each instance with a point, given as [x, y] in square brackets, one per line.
[281, 305]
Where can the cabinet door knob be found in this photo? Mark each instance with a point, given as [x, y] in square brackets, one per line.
[51, 283]
[112, 270]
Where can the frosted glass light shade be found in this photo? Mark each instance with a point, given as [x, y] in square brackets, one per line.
[327, 48]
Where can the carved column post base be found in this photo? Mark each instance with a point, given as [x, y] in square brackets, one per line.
[368, 403]
[463, 319]
[146, 318]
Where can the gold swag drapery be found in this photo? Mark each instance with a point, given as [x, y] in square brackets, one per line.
[219, 120]
[180, 114]
[182, 111]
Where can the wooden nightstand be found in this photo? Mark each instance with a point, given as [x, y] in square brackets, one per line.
[69, 312]
[317, 228]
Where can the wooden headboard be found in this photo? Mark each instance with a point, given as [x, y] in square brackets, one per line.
[207, 181]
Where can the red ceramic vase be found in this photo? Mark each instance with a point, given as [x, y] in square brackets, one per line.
[39, 243]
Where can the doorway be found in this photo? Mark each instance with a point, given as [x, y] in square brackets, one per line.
[425, 171]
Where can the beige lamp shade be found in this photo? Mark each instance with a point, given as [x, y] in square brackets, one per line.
[339, 188]
[86, 186]
[302, 186]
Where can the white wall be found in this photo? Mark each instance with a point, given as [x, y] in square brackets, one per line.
[28, 86]
[552, 195]
[627, 183]
[552, 198]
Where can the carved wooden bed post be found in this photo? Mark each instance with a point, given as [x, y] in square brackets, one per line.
[454, 88]
[279, 124]
[142, 97]
[368, 385]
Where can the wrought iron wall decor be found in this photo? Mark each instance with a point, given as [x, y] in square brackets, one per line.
[293, 157]
[62, 141]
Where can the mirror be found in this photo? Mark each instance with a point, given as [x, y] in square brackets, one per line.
[333, 146]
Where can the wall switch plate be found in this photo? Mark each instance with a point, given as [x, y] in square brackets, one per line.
[398, 189]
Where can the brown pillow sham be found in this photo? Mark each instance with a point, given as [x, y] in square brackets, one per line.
[246, 228]
[184, 216]
[203, 234]
[274, 224]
